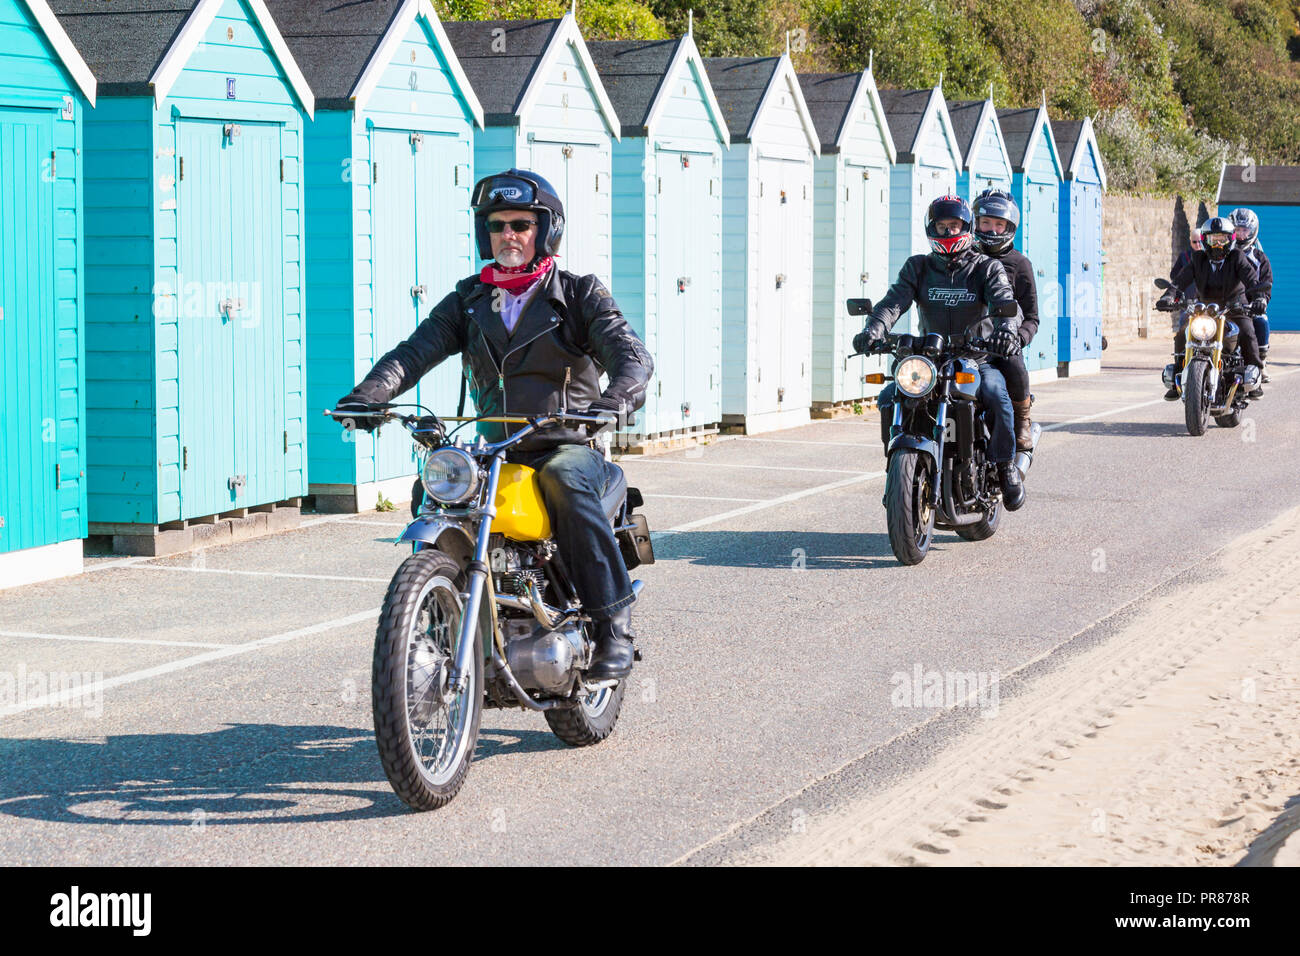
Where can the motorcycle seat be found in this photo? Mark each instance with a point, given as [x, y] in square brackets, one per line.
[613, 497]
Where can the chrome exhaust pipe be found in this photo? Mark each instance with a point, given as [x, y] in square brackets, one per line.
[1024, 459]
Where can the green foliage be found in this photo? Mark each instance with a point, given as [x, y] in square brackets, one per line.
[722, 27]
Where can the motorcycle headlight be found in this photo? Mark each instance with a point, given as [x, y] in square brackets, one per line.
[915, 375]
[450, 475]
[1203, 328]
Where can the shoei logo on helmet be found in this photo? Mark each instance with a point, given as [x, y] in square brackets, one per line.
[508, 193]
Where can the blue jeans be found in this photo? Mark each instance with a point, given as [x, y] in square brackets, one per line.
[573, 478]
[997, 409]
[1261, 329]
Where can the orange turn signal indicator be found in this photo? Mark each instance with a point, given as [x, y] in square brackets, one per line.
[964, 378]
[874, 378]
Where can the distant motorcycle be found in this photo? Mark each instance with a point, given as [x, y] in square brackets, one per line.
[939, 474]
[1213, 380]
[484, 612]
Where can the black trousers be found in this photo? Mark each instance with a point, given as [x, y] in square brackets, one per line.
[1016, 373]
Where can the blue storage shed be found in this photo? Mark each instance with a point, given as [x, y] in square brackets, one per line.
[924, 169]
[388, 172]
[1273, 192]
[1036, 186]
[667, 205]
[985, 163]
[850, 214]
[767, 242]
[1079, 336]
[194, 288]
[545, 109]
[45, 90]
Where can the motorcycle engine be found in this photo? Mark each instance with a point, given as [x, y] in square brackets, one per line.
[544, 660]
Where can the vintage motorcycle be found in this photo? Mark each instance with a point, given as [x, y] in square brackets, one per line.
[484, 613]
[939, 475]
[1214, 377]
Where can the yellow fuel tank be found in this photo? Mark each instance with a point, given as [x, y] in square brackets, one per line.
[521, 513]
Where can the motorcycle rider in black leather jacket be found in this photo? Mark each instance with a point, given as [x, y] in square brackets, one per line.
[534, 339]
[955, 289]
[997, 218]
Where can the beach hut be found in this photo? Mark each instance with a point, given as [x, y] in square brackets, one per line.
[851, 220]
[1273, 192]
[1036, 186]
[1079, 331]
[194, 292]
[387, 178]
[985, 163]
[45, 90]
[545, 109]
[924, 169]
[767, 242]
[667, 226]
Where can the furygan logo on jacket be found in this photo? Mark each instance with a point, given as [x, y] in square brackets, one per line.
[951, 296]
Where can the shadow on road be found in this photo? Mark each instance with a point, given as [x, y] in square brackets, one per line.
[1112, 429]
[810, 550]
[242, 774]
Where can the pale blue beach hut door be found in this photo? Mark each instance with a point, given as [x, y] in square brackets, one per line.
[697, 297]
[27, 335]
[672, 240]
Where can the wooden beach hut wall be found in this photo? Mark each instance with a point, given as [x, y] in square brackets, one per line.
[1079, 331]
[851, 214]
[545, 109]
[387, 178]
[1273, 192]
[194, 290]
[924, 169]
[45, 91]
[985, 163]
[1036, 187]
[767, 242]
[667, 226]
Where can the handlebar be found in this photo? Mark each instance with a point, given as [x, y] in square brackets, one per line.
[431, 424]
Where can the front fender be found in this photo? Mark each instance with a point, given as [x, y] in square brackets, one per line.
[449, 535]
[927, 446]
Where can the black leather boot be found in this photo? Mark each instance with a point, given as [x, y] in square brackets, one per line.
[614, 653]
[1013, 490]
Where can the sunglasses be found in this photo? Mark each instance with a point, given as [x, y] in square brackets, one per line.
[517, 226]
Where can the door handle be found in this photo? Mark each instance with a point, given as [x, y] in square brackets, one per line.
[418, 292]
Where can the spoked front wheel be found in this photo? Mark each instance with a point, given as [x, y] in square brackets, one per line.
[908, 513]
[425, 733]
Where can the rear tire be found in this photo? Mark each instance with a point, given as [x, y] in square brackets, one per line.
[592, 720]
[425, 746]
[1196, 403]
[907, 506]
[984, 528]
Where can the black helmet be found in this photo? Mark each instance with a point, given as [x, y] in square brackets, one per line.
[518, 189]
[1245, 227]
[996, 202]
[1217, 238]
[948, 207]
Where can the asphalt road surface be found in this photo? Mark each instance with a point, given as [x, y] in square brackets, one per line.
[225, 717]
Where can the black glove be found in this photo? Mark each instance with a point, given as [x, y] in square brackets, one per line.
[869, 337]
[1004, 342]
[1166, 303]
[357, 402]
[1259, 306]
[606, 404]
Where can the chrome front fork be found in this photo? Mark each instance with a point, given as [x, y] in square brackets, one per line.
[476, 580]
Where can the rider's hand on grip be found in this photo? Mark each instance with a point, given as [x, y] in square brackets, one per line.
[869, 337]
[614, 409]
[1259, 306]
[1004, 342]
[1166, 304]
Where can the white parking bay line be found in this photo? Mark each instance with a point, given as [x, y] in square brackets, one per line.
[773, 502]
[378, 524]
[109, 640]
[797, 441]
[259, 574]
[719, 464]
[64, 697]
[697, 497]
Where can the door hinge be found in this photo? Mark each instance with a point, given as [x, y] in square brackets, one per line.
[180, 160]
[185, 459]
[417, 140]
[374, 172]
[236, 484]
[780, 395]
[455, 175]
[686, 409]
[54, 164]
[2, 521]
[661, 184]
[286, 443]
[57, 477]
[567, 152]
[661, 388]
[282, 170]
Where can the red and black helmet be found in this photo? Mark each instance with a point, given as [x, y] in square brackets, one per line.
[948, 207]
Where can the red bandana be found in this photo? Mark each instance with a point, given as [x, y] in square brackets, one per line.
[514, 279]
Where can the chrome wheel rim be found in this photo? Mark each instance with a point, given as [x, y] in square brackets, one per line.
[438, 730]
[594, 704]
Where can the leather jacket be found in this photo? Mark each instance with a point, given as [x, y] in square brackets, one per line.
[1020, 272]
[1233, 283]
[951, 295]
[568, 334]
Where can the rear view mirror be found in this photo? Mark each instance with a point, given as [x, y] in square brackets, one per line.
[1163, 284]
[859, 306]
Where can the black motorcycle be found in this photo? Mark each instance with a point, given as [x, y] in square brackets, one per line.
[939, 472]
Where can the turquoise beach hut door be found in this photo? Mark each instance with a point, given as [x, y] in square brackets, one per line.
[232, 403]
[28, 510]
